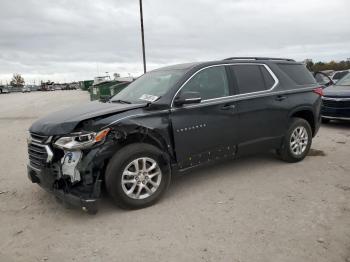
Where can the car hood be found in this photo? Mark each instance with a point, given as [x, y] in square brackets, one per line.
[337, 91]
[65, 121]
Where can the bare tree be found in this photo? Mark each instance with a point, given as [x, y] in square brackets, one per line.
[17, 80]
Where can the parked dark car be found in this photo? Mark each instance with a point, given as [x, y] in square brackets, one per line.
[171, 120]
[336, 101]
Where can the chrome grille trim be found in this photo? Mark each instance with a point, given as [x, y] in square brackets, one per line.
[336, 98]
[41, 139]
[39, 150]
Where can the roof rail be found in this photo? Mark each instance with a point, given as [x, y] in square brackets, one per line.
[258, 58]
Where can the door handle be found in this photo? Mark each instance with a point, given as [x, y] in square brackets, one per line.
[280, 98]
[228, 107]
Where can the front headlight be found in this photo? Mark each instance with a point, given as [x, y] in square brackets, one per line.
[81, 140]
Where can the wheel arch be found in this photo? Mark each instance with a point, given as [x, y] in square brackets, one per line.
[125, 137]
[307, 114]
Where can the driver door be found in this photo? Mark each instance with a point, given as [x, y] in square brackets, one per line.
[207, 130]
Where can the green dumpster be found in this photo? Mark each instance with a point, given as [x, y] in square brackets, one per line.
[105, 90]
[84, 85]
[115, 89]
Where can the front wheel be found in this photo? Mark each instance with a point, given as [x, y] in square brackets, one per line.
[297, 141]
[137, 176]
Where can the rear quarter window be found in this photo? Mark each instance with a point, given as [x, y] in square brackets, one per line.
[252, 78]
[298, 73]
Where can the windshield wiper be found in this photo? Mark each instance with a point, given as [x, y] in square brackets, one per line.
[120, 101]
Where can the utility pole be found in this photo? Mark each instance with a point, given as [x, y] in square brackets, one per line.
[143, 38]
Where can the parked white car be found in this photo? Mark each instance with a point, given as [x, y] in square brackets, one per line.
[339, 74]
[26, 89]
[3, 89]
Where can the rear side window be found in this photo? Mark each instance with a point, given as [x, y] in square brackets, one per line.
[252, 78]
[298, 73]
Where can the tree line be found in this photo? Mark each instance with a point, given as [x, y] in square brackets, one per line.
[18, 81]
[332, 65]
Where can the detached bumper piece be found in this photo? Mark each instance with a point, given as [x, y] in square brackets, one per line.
[83, 197]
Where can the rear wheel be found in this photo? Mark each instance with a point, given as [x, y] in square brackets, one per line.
[137, 176]
[297, 141]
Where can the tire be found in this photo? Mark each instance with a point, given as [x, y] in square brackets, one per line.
[122, 166]
[325, 120]
[294, 146]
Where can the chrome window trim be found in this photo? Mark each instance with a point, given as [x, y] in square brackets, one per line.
[240, 98]
[239, 95]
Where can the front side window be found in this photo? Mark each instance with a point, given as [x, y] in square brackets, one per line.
[252, 78]
[209, 83]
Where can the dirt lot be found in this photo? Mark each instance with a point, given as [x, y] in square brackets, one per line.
[252, 209]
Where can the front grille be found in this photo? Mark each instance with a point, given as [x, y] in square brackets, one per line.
[39, 138]
[39, 153]
[336, 104]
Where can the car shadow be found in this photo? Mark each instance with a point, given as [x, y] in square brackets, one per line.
[338, 124]
[202, 176]
[193, 179]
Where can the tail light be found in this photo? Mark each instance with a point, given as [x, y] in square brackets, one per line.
[318, 90]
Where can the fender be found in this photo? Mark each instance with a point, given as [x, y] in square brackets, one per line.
[301, 108]
[309, 114]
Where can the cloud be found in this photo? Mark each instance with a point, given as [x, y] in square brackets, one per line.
[72, 40]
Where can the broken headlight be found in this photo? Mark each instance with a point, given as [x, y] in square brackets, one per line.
[82, 140]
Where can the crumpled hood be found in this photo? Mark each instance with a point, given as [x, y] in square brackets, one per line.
[64, 121]
[337, 91]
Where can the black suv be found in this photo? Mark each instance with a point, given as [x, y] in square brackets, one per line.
[170, 120]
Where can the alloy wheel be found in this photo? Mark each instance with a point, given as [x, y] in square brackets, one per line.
[141, 178]
[299, 140]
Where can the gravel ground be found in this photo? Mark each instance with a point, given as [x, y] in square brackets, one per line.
[253, 209]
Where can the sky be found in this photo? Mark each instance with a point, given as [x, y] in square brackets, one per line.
[73, 40]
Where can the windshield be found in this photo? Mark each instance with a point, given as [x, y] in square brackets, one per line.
[149, 87]
[345, 81]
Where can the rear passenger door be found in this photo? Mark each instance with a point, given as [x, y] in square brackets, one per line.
[261, 118]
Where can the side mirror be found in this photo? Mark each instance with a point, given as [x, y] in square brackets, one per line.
[187, 98]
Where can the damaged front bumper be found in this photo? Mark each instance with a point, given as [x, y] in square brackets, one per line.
[72, 176]
[81, 196]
